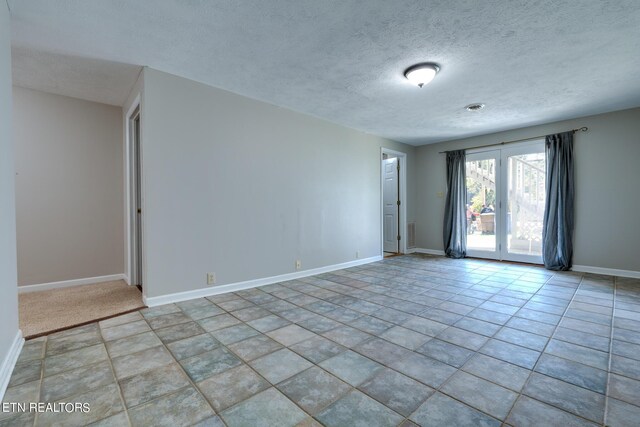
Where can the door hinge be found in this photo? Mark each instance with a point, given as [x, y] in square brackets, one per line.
[398, 237]
[398, 166]
[398, 202]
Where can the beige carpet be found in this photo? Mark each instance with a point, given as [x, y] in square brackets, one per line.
[49, 311]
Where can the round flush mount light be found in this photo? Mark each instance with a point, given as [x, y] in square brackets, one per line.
[474, 107]
[421, 74]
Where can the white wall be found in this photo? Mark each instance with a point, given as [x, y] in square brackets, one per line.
[69, 187]
[8, 275]
[243, 188]
[607, 157]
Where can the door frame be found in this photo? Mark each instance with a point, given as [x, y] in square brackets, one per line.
[130, 193]
[501, 155]
[402, 180]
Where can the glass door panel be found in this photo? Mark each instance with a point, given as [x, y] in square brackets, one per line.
[525, 200]
[505, 202]
[482, 176]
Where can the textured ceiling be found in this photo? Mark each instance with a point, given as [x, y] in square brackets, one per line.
[529, 61]
[91, 79]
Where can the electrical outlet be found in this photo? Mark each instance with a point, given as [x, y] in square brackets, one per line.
[211, 278]
[357, 254]
[298, 264]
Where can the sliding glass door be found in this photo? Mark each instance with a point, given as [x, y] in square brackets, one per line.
[505, 203]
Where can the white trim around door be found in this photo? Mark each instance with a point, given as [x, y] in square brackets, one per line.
[402, 228]
[495, 168]
[131, 166]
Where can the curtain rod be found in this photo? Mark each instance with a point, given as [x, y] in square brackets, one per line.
[582, 129]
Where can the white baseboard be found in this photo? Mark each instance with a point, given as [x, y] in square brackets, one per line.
[427, 251]
[580, 268]
[232, 287]
[67, 283]
[606, 271]
[9, 362]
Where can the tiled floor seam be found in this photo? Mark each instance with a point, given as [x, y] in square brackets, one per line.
[351, 388]
[339, 286]
[533, 369]
[379, 337]
[382, 294]
[397, 324]
[372, 338]
[268, 382]
[438, 389]
[117, 380]
[192, 384]
[613, 316]
[244, 363]
[113, 372]
[488, 380]
[275, 386]
[35, 418]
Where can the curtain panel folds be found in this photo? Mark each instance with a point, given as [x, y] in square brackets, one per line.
[455, 217]
[557, 231]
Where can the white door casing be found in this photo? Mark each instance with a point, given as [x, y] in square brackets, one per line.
[500, 158]
[390, 205]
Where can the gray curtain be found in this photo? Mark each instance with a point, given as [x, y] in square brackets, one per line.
[455, 215]
[557, 231]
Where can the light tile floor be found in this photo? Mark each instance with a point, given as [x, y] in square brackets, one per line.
[405, 341]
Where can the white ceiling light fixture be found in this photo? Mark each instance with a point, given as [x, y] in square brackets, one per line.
[421, 74]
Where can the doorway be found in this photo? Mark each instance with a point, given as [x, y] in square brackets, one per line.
[393, 178]
[135, 226]
[505, 202]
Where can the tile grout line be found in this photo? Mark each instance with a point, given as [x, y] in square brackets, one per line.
[458, 369]
[345, 290]
[378, 337]
[271, 385]
[74, 396]
[490, 337]
[230, 350]
[489, 381]
[613, 316]
[162, 344]
[435, 389]
[113, 372]
[542, 352]
[532, 370]
[44, 355]
[191, 382]
[352, 388]
[316, 365]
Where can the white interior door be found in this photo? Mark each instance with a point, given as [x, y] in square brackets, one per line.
[390, 205]
[505, 203]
